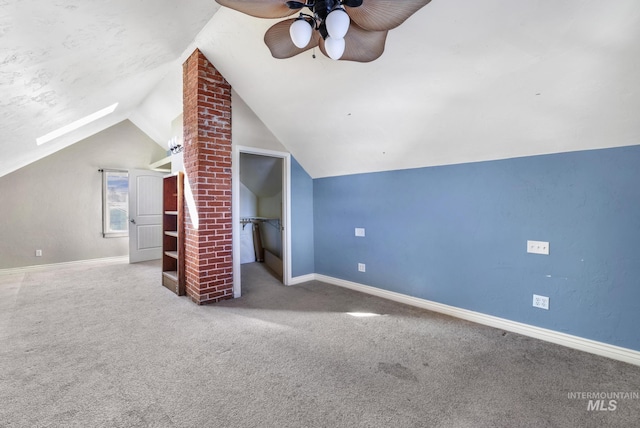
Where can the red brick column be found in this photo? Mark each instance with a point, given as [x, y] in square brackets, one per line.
[207, 163]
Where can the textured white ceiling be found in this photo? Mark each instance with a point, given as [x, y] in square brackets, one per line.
[62, 60]
[460, 81]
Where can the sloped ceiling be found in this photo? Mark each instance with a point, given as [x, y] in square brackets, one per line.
[460, 81]
[65, 59]
[261, 174]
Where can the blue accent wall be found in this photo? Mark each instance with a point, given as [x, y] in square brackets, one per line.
[302, 247]
[457, 235]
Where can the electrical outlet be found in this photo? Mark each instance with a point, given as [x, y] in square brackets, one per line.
[360, 231]
[362, 267]
[538, 247]
[38, 253]
[541, 302]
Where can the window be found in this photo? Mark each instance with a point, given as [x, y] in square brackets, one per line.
[115, 203]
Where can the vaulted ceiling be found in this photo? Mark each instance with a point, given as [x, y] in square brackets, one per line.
[460, 81]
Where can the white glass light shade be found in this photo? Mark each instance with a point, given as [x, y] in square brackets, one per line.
[300, 32]
[337, 23]
[334, 47]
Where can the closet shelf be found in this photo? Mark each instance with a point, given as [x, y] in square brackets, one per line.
[275, 222]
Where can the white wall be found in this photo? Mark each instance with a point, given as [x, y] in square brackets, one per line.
[270, 207]
[248, 130]
[248, 202]
[177, 159]
[55, 204]
[248, 208]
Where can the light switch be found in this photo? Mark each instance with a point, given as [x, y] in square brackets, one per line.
[359, 231]
[538, 247]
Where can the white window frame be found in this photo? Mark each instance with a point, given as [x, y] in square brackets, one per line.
[107, 205]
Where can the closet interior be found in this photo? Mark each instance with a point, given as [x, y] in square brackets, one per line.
[261, 211]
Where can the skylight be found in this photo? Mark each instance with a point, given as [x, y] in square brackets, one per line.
[77, 124]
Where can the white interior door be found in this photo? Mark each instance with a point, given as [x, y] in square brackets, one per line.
[145, 215]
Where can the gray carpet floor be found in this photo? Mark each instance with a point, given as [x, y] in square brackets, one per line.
[105, 345]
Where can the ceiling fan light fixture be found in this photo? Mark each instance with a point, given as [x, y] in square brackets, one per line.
[300, 32]
[338, 23]
[364, 24]
[334, 47]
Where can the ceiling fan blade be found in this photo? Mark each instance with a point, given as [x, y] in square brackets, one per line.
[380, 15]
[360, 45]
[295, 5]
[279, 42]
[260, 8]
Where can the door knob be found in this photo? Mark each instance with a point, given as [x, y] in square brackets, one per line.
[133, 220]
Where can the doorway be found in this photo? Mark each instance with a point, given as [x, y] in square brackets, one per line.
[261, 212]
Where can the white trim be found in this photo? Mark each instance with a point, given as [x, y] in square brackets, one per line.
[23, 269]
[302, 278]
[286, 200]
[161, 165]
[598, 348]
[235, 211]
[235, 218]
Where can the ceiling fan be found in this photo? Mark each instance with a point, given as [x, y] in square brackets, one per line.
[349, 30]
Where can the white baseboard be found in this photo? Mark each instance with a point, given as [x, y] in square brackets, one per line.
[302, 278]
[598, 348]
[119, 259]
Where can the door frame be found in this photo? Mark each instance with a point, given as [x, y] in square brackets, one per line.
[235, 211]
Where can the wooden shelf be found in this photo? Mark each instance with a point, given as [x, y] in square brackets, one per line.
[173, 230]
[171, 274]
[172, 254]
